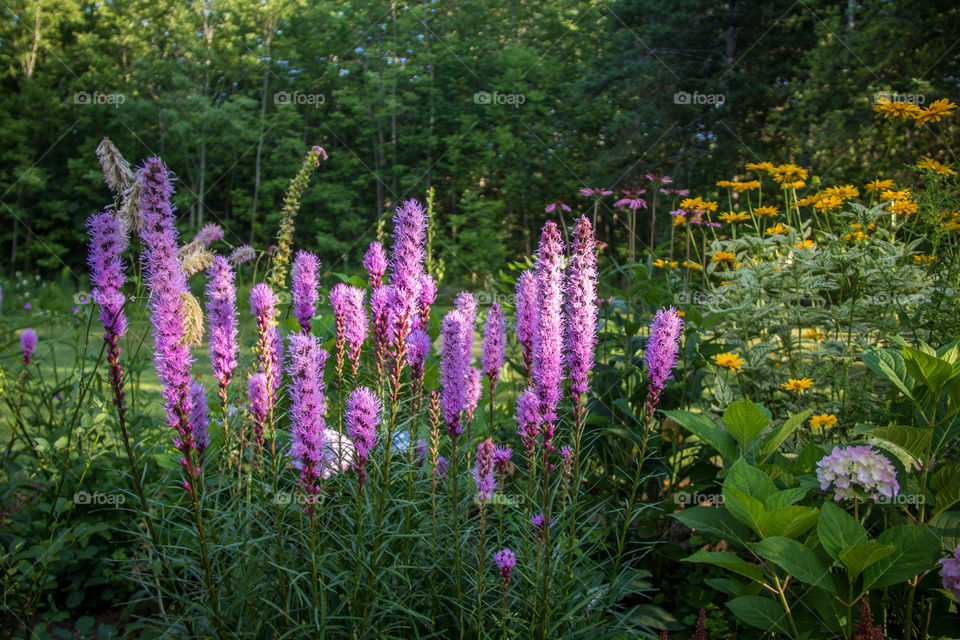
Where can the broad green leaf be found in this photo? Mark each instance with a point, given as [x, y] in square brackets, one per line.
[715, 520]
[743, 507]
[776, 438]
[759, 612]
[933, 371]
[916, 550]
[785, 498]
[945, 475]
[947, 497]
[729, 561]
[797, 560]
[788, 522]
[750, 480]
[889, 364]
[913, 440]
[705, 429]
[856, 558]
[838, 530]
[744, 420]
[946, 526]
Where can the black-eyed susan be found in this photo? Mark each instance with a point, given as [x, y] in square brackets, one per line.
[765, 210]
[666, 264]
[806, 244]
[748, 185]
[777, 229]
[904, 207]
[823, 421]
[797, 385]
[724, 256]
[890, 194]
[734, 217]
[760, 166]
[843, 191]
[731, 360]
[691, 265]
[933, 165]
[878, 185]
[936, 110]
[896, 110]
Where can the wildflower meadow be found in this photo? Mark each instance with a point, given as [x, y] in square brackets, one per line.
[298, 387]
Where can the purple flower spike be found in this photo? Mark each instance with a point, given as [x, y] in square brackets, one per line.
[263, 302]
[528, 419]
[107, 244]
[527, 314]
[418, 348]
[494, 345]
[581, 309]
[506, 561]
[351, 318]
[362, 419]
[305, 283]
[474, 391]
[375, 262]
[501, 458]
[453, 372]
[209, 234]
[539, 522]
[381, 306]
[259, 404]
[548, 346]
[199, 418]
[483, 475]
[466, 304]
[428, 295]
[222, 322]
[307, 408]
[406, 268]
[661, 352]
[28, 344]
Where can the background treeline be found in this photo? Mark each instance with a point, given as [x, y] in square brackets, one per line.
[388, 89]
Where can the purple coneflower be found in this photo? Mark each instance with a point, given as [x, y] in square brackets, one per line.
[351, 319]
[28, 344]
[553, 206]
[527, 318]
[362, 419]
[581, 311]
[453, 372]
[548, 347]
[305, 282]
[631, 200]
[222, 323]
[375, 262]
[588, 192]
[661, 353]
[307, 409]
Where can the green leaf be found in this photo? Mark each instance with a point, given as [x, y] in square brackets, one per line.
[797, 560]
[750, 480]
[759, 612]
[947, 497]
[743, 507]
[913, 440]
[785, 498]
[744, 420]
[729, 561]
[916, 550]
[776, 438]
[788, 522]
[705, 429]
[856, 558]
[838, 530]
[715, 520]
[933, 371]
[889, 364]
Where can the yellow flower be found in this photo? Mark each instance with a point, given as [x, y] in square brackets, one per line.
[828, 203]
[698, 204]
[797, 385]
[682, 314]
[679, 220]
[724, 256]
[855, 236]
[902, 110]
[921, 259]
[941, 107]
[814, 334]
[785, 172]
[843, 191]
[765, 210]
[748, 185]
[933, 165]
[806, 244]
[904, 207]
[808, 200]
[692, 265]
[824, 420]
[760, 166]
[887, 194]
[728, 184]
[734, 217]
[878, 185]
[797, 184]
[659, 262]
[731, 360]
[778, 229]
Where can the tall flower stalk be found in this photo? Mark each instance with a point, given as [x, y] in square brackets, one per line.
[526, 326]
[221, 293]
[485, 480]
[351, 319]
[494, 352]
[375, 262]
[305, 275]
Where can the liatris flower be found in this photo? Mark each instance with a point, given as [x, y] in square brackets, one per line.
[381, 305]
[406, 269]
[581, 310]
[422, 450]
[494, 345]
[362, 419]
[527, 318]
[375, 262]
[466, 304]
[453, 371]
[661, 353]
[209, 234]
[418, 348]
[168, 291]
[428, 295]
[351, 318]
[263, 304]
[501, 459]
[222, 322]
[276, 345]
[857, 472]
[241, 254]
[107, 244]
[951, 574]
[483, 475]
[258, 402]
[116, 170]
[474, 390]
[442, 466]
[566, 463]
[307, 408]
[304, 289]
[506, 561]
[291, 204]
[548, 346]
[199, 418]
[528, 419]
[28, 344]
[435, 411]
[539, 522]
